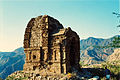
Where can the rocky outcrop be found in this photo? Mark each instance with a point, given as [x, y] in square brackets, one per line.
[115, 57]
[75, 75]
[24, 75]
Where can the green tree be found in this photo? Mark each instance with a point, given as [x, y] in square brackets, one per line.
[116, 41]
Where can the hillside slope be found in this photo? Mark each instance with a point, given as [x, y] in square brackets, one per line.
[115, 57]
[11, 62]
[91, 54]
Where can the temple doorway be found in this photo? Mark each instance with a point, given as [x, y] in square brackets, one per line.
[72, 52]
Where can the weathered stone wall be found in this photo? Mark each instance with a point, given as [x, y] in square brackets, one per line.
[49, 47]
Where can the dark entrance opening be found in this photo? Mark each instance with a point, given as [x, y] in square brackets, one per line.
[41, 54]
[72, 52]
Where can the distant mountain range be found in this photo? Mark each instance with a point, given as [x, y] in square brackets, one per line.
[14, 61]
[91, 53]
[11, 62]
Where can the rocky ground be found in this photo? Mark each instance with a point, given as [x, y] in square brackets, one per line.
[22, 75]
[76, 75]
[85, 73]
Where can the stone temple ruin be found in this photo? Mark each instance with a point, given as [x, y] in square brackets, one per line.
[49, 47]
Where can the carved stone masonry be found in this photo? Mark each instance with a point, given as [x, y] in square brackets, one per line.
[49, 47]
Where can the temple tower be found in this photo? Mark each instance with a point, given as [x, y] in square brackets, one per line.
[49, 47]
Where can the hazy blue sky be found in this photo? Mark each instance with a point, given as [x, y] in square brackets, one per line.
[89, 18]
